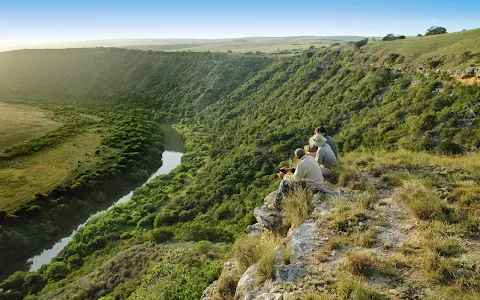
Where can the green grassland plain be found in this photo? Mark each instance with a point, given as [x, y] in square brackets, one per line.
[455, 50]
[266, 45]
[19, 123]
[39, 172]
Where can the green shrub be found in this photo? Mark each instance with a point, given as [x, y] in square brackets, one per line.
[56, 271]
[161, 235]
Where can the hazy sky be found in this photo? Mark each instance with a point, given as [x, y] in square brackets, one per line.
[24, 21]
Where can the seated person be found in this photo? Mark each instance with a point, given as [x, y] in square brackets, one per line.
[330, 140]
[307, 174]
[314, 142]
[325, 158]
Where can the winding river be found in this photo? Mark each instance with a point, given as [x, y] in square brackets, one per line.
[171, 157]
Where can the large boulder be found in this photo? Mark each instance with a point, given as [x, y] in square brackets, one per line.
[268, 217]
[247, 287]
[304, 240]
[288, 273]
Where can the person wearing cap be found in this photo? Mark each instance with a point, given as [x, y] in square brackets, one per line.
[325, 156]
[330, 141]
[307, 174]
[313, 142]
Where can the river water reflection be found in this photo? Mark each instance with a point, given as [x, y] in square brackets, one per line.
[171, 158]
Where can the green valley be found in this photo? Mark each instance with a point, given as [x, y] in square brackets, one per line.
[409, 132]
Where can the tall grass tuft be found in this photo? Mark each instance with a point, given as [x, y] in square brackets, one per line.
[251, 250]
[361, 264]
[247, 251]
[423, 203]
[297, 206]
[352, 288]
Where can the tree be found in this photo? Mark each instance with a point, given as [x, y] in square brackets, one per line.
[435, 30]
[389, 37]
[361, 43]
[392, 37]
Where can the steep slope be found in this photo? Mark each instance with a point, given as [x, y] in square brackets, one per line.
[177, 84]
[234, 147]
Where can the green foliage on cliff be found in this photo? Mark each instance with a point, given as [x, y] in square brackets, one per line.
[174, 84]
[239, 135]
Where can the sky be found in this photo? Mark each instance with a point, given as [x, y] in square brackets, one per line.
[33, 21]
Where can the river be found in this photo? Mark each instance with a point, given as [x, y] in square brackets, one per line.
[171, 157]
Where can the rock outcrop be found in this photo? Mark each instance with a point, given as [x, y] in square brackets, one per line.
[268, 217]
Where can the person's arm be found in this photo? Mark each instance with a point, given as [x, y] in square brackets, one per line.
[299, 173]
[282, 175]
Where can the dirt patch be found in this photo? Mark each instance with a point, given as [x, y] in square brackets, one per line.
[467, 81]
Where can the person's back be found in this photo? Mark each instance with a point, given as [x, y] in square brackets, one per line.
[326, 157]
[331, 142]
[308, 170]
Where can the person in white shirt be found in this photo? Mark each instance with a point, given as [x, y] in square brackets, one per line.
[307, 174]
[313, 142]
[330, 141]
[325, 157]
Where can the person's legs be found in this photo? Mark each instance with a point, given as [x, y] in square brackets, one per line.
[326, 172]
[283, 188]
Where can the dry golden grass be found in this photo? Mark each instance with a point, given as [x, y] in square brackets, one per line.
[422, 202]
[250, 250]
[19, 123]
[297, 205]
[353, 288]
[23, 177]
[469, 162]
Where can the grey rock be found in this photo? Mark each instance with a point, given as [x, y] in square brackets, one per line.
[270, 296]
[304, 240]
[247, 286]
[288, 273]
[269, 200]
[254, 230]
[270, 219]
[470, 72]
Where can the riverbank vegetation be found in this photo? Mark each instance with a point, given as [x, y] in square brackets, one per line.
[399, 125]
[65, 174]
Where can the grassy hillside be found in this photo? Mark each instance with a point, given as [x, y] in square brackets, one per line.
[177, 83]
[237, 142]
[454, 50]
